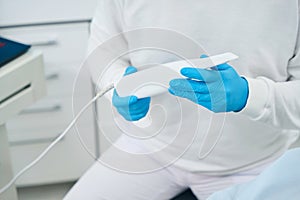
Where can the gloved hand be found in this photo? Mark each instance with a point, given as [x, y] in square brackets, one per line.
[131, 108]
[279, 181]
[219, 89]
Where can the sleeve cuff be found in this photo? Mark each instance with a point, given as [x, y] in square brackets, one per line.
[257, 98]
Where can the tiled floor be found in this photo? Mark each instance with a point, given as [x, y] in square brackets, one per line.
[47, 192]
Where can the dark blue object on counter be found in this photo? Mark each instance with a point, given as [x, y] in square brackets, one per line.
[10, 50]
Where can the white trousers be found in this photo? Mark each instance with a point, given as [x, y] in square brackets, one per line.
[101, 182]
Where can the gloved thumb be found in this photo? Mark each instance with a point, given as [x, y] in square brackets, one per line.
[130, 70]
[223, 66]
[204, 56]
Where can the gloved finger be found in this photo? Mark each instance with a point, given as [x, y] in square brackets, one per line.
[127, 117]
[193, 96]
[133, 112]
[205, 104]
[204, 56]
[128, 113]
[130, 70]
[221, 67]
[143, 102]
[124, 112]
[137, 117]
[203, 100]
[123, 101]
[203, 97]
[188, 85]
[179, 93]
[141, 106]
[201, 74]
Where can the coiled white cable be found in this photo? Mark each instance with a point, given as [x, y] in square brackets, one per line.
[61, 136]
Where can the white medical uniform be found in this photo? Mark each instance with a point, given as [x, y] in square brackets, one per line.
[264, 34]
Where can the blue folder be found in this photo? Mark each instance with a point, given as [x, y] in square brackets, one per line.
[10, 50]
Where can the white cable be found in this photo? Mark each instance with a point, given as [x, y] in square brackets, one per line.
[61, 136]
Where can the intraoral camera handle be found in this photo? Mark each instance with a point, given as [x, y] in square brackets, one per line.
[155, 80]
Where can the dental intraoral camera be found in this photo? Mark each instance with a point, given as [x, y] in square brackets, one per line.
[155, 79]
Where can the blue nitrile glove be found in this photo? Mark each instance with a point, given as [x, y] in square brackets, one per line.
[219, 89]
[280, 181]
[131, 108]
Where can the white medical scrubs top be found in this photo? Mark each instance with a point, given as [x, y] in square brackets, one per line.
[265, 36]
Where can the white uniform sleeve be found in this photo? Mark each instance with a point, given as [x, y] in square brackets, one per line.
[277, 103]
[107, 24]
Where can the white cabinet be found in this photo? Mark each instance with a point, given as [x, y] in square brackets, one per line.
[16, 12]
[64, 47]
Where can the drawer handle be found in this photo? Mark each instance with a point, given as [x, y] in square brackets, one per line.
[52, 76]
[47, 42]
[52, 108]
[32, 141]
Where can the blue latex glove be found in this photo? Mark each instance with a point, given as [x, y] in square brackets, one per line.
[280, 181]
[219, 89]
[131, 108]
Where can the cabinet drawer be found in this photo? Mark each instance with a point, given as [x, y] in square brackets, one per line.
[41, 125]
[36, 127]
[62, 81]
[15, 12]
[60, 44]
[64, 49]
[30, 133]
[67, 161]
[46, 119]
